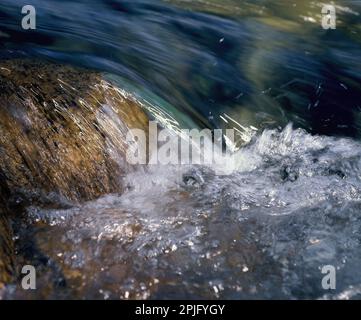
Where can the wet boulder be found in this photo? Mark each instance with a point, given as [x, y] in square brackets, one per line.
[62, 132]
[62, 141]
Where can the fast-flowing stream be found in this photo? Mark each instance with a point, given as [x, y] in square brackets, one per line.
[291, 207]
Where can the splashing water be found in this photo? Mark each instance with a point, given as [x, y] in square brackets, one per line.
[265, 231]
[183, 232]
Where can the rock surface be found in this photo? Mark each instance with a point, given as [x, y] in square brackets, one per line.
[6, 252]
[62, 130]
[62, 139]
[6, 243]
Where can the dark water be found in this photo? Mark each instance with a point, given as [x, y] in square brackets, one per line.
[293, 204]
[259, 60]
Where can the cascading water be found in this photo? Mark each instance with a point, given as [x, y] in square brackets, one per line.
[265, 230]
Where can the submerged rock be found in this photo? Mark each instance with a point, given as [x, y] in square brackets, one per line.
[62, 131]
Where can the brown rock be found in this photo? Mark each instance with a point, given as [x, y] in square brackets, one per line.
[6, 243]
[62, 130]
[62, 133]
[6, 252]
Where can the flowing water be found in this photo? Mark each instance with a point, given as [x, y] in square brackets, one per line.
[293, 203]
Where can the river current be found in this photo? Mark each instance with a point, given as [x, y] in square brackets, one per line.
[291, 206]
